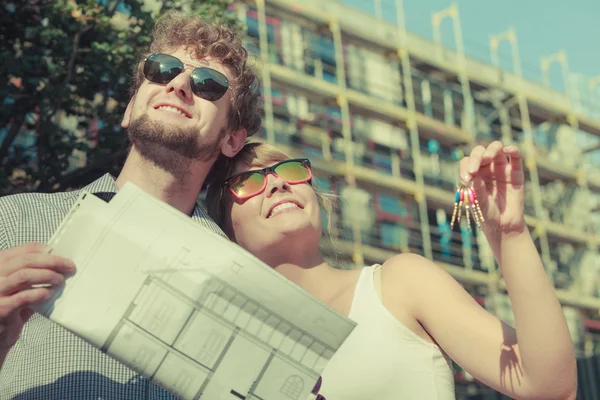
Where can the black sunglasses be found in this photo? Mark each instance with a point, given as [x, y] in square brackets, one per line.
[206, 82]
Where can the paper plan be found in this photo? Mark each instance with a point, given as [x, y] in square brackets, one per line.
[187, 308]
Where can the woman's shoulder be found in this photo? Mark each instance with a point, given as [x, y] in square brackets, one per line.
[410, 273]
[409, 263]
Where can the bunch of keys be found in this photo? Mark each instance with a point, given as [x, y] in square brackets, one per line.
[467, 197]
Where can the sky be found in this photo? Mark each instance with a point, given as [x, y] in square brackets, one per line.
[544, 27]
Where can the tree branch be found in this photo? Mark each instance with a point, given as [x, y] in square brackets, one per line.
[10, 136]
[40, 145]
[72, 56]
[75, 178]
[113, 8]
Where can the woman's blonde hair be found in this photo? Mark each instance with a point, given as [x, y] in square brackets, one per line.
[254, 153]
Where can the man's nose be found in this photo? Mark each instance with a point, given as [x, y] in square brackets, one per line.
[181, 86]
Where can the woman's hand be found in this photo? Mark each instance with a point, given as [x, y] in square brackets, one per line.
[496, 174]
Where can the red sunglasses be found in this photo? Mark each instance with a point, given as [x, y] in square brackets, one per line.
[250, 183]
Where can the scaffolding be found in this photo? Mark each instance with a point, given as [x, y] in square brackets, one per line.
[317, 103]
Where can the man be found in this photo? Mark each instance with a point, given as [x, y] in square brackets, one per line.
[194, 99]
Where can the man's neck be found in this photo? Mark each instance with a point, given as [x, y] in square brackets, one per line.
[180, 192]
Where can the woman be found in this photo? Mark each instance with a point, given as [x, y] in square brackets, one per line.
[419, 317]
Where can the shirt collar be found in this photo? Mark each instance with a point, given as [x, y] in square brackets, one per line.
[106, 183]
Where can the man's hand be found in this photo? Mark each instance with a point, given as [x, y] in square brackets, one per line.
[28, 276]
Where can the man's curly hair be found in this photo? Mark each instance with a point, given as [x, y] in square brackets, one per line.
[202, 39]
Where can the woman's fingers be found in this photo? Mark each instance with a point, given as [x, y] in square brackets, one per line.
[515, 157]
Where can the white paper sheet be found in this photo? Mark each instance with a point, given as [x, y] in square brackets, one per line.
[186, 307]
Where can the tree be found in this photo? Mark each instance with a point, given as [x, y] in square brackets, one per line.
[63, 85]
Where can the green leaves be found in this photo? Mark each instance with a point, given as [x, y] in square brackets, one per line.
[68, 63]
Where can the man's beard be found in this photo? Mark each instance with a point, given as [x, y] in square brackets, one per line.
[172, 148]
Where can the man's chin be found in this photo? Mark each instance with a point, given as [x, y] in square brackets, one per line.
[164, 158]
[169, 146]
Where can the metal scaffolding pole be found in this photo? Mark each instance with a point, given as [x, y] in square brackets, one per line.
[342, 101]
[266, 71]
[378, 8]
[436, 20]
[546, 63]
[413, 129]
[572, 119]
[504, 115]
[529, 148]
[594, 82]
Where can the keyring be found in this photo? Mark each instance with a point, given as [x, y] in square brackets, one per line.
[466, 198]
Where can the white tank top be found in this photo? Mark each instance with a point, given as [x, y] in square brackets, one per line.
[384, 360]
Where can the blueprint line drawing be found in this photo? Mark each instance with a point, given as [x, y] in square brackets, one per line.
[187, 308]
[162, 330]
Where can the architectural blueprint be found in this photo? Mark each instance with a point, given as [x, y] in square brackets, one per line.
[187, 308]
